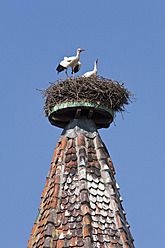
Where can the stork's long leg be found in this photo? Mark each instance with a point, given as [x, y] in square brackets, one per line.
[66, 73]
[73, 74]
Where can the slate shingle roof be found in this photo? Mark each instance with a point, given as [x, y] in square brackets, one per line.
[81, 204]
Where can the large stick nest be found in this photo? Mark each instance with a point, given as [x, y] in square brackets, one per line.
[103, 91]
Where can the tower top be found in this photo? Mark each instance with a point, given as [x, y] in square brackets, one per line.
[95, 98]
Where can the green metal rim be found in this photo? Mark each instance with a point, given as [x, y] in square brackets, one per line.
[80, 104]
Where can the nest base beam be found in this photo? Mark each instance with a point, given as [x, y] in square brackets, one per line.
[78, 112]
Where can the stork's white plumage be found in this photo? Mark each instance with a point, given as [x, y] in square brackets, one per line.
[72, 62]
[92, 73]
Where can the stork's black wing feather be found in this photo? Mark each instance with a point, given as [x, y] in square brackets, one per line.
[60, 68]
[76, 69]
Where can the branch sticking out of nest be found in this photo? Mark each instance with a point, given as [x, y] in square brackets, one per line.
[103, 91]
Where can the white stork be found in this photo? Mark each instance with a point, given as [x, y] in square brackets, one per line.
[72, 62]
[92, 73]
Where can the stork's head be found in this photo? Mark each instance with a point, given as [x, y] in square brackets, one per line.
[96, 62]
[80, 50]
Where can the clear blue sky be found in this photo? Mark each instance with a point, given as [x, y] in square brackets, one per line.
[128, 38]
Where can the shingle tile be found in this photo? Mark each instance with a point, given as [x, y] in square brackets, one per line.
[82, 152]
[99, 143]
[87, 231]
[84, 196]
[70, 143]
[92, 198]
[87, 242]
[80, 140]
[66, 243]
[80, 242]
[60, 243]
[90, 143]
[89, 177]
[47, 242]
[85, 209]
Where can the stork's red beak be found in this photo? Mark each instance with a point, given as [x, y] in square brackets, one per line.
[96, 61]
[81, 50]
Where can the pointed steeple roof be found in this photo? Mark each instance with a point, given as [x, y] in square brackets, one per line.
[81, 205]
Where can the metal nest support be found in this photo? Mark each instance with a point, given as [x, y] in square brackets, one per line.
[62, 114]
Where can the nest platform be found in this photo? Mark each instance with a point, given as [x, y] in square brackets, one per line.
[62, 114]
[95, 98]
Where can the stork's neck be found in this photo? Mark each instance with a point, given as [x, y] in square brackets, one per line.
[78, 55]
[95, 66]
